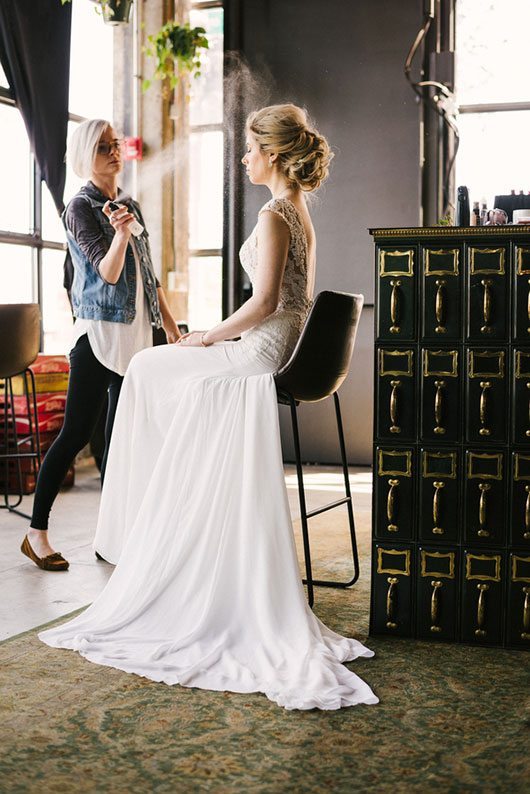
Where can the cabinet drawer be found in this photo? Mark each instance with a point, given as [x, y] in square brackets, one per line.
[394, 494]
[441, 305]
[439, 497]
[437, 593]
[520, 500]
[392, 590]
[482, 597]
[440, 395]
[487, 300]
[518, 611]
[485, 498]
[396, 394]
[396, 293]
[487, 404]
[522, 293]
[521, 396]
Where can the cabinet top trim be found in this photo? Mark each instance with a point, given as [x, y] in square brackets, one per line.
[452, 231]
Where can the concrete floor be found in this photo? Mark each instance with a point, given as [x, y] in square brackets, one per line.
[30, 597]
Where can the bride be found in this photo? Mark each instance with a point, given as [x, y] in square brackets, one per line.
[194, 511]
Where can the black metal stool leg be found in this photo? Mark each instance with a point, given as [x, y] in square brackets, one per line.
[347, 488]
[303, 510]
[34, 454]
[347, 501]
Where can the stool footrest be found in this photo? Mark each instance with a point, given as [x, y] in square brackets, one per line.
[329, 506]
[330, 583]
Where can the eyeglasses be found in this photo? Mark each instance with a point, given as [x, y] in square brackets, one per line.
[106, 147]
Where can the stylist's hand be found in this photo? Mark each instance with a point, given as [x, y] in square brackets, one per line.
[119, 219]
[172, 331]
[193, 339]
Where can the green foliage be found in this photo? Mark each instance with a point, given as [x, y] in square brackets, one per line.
[447, 220]
[176, 49]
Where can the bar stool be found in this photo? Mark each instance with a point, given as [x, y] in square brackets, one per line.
[317, 368]
[20, 335]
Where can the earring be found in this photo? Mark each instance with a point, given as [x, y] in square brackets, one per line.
[270, 163]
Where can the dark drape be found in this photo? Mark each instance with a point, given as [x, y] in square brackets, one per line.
[35, 56]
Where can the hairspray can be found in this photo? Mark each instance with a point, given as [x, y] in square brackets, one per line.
[462, 206]
[134, 227]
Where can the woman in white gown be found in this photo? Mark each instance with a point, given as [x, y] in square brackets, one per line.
[194, 511]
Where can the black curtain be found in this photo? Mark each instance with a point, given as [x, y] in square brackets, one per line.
[35, 56]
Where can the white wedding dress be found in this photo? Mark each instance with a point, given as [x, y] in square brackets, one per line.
[206, 591]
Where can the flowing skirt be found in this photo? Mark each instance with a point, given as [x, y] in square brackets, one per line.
[194, 512]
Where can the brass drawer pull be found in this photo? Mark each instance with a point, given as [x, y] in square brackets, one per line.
[481, 610]
[483, 407]
[486, 306]
[436, 507]
[526, 534]
[525, 635]
[394, 306]
[528, 305]
[391, 505]
[394, 428]
[391, 602]
[435, 606]
[439, 307]
[484, 487]
[438, 406]
[527, 433]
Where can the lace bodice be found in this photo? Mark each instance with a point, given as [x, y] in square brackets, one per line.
[276, 336]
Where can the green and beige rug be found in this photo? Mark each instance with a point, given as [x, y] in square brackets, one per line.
[451, 718]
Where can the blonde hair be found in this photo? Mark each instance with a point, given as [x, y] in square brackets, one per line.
[83, 146]
[303, 153]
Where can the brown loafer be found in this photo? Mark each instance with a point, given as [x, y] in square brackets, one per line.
[53, 562]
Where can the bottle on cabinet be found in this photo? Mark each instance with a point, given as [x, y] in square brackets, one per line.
[462, 217]
[475, 215]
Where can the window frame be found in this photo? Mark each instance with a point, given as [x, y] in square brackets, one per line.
[33, 239]
[213, 127]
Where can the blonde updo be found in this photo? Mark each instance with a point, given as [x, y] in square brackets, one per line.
[303, 154]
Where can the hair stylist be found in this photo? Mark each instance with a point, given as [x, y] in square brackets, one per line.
[116, 300]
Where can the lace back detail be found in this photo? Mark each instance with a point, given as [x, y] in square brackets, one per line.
[281, 329]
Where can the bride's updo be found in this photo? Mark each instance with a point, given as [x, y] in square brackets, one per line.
[303, 154]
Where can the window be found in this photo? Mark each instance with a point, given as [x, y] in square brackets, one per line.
[206, 174]
[33, 242]
[492, 92]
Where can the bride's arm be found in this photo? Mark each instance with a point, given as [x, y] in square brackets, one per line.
[273, 247]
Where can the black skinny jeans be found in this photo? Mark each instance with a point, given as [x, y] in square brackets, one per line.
[87, 387]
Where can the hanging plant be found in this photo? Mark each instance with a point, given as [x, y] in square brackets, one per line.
[177, 52]
[114, 12]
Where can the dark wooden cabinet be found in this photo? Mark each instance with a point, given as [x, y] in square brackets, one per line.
[451, 499]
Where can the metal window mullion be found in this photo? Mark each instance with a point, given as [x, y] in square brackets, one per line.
[494, 107]
[30, 240]
[6, 98]
[37, 231]
[217, 127]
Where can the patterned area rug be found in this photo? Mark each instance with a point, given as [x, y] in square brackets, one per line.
[451, 718]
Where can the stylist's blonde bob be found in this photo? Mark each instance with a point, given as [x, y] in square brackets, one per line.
[83, 146]
[303, 153]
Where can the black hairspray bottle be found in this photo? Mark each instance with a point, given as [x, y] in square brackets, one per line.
[462, 207]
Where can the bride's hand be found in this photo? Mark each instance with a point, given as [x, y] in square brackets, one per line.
[192, 339]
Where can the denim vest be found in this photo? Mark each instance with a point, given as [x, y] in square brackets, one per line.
[95, 299]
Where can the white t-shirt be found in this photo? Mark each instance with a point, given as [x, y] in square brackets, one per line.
[114, 344]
